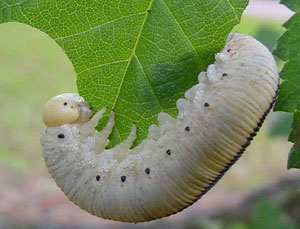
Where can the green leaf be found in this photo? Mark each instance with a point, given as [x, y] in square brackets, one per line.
[288, 49]
[294, 135]
[289, 95]
[136, 57]
[294, 157]
[268, 214]
[294, 154]
[292, 4]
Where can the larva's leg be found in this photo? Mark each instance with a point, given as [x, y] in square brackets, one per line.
[101, 138]
[120, 151]
[165, 122]
[153, 132]
[164, 118]
[182, 104]
[190, 94]
[202, 78]
[127, 143]
[89, 127]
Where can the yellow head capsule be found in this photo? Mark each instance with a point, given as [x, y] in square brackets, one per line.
[66, 109]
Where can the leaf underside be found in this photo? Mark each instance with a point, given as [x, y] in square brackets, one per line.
[136, 57]
[288, 49]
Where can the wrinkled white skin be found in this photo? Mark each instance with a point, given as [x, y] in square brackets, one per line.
[181, 158]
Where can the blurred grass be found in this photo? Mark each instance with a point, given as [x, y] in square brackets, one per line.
[32, 69]
[267, 214]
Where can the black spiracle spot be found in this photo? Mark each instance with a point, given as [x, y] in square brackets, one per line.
[98, 177]
[61, 136]
[147, 170]
[123, 178]
[168, 152]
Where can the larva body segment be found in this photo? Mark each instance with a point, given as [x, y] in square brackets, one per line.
[182, 158]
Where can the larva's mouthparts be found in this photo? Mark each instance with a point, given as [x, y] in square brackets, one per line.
[66, 108]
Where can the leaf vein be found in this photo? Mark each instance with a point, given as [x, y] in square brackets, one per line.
[181, 29]
[233, 9]
[16, 4]
[148, 81]
[102, 65]
[98, 26]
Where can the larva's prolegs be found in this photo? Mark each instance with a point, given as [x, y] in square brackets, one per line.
[164, 118]
[153, 132]
[89, 127]
[121, 150]
[101, 138]
[181, 159]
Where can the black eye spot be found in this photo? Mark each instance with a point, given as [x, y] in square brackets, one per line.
[147, 170]
[61, 136]
[123, 178]
[98, 177]
[206, 104]
[187, 128]
[168, 152]
[228, 50]
[65, 103]
[224, 74]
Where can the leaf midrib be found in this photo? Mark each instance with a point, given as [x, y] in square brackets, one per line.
[132, 54]
[129, 61]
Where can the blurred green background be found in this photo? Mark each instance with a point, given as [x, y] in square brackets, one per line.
[33, 68]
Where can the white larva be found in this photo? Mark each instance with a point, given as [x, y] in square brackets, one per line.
[181, 159]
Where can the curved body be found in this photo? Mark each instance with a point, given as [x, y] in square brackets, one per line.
[182, 158]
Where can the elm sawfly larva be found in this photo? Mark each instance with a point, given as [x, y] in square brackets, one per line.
[181, 159]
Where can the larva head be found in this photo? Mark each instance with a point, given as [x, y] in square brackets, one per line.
[66, 108]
